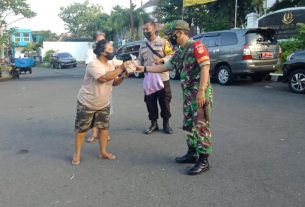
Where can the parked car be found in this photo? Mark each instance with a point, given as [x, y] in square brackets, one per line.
[294, 72]
[130, 48]
[62, 59]
[241, 52]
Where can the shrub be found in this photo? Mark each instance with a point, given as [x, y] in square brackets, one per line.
[294, 44]
[47, 56]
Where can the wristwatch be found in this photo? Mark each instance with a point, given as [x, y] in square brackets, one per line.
[145, 69]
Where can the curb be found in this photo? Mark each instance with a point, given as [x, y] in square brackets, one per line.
[276, 77]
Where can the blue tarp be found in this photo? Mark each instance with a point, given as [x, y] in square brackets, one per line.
[24, 62]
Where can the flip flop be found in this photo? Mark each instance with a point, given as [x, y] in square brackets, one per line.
[75, 161]
[91, 139]
[108, 156]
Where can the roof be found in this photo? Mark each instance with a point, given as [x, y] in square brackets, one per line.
[150, 3]
[23, 30]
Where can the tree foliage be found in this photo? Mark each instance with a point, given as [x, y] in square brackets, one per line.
[14, 7]
[10, 8]
[83, 19]
[209, 17]
[286, 4]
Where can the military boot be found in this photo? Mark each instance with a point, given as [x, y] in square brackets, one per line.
[190, 157]
[201, 165]
[153, 127]
[166, 128]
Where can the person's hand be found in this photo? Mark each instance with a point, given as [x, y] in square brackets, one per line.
[158, 61]
[125, 74]
[139, 68]
[200, 99]
[126, 64]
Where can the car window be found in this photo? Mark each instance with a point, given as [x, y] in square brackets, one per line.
[228, 38]
[136, 48]
[298, 56]
[260, 39]
[63, 55]
[210, 41]
[127, 49]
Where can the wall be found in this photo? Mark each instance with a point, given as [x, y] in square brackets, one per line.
[77, 49]
[21, 33]
[284, 21]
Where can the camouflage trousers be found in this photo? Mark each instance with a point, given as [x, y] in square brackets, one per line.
[197, 120]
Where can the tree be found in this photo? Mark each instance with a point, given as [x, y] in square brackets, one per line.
[208, 17]
[83, 19]
[10, 8]
[44, 35]
[120, 18]
[286, 4]
[14, 7]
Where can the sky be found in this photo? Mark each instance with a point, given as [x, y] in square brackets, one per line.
[47, 13]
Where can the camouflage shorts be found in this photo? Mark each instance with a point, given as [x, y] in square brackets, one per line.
[87, 118]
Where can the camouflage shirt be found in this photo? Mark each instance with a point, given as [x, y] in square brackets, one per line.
[188, 61]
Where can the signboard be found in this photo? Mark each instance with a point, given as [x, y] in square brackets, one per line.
[283, 21]
[194, 2]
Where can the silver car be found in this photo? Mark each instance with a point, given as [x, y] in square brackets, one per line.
[241, 52]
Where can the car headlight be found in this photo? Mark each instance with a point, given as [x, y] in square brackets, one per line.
[289, 57]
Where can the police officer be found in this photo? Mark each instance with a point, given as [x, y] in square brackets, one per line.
[156, 51]
[192, 61]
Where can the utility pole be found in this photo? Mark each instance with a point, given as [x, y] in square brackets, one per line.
[235, 22]
[141, 24]
[131, 21]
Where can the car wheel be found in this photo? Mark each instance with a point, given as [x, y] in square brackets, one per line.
[74, 66]
[224, 75]
[30, 70]
[296, 81]
[173, 74]
[59, 66]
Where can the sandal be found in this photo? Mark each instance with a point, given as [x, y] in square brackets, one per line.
[75, 161]
[107, 156]
[91, 139]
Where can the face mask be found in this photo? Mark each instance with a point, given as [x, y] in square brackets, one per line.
[147, 34]
[109, 55]
[173, 40]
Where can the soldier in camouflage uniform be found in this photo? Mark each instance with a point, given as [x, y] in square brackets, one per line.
[192, 61]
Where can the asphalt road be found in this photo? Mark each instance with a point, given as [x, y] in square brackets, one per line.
[258, 159]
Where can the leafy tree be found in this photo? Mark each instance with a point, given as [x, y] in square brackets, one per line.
[120, 18]
[44, 35]
[286, 4]
[208, 17]
[82, 19]
[12, 8]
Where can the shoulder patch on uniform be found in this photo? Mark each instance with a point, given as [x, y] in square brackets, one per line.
[199, 47]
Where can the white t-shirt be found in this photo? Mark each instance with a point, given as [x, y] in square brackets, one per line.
[93, 94]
